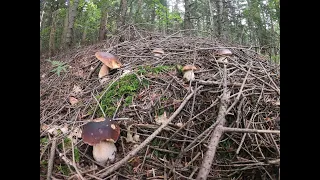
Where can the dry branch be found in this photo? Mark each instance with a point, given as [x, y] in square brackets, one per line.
[105, 172]
[216, 135]
[52, 153]
[227, 129]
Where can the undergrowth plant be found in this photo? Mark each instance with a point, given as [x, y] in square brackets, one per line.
[58, 66]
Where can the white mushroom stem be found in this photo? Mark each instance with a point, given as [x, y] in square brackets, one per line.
[188, 75]
[222, 59]
[157, 54]
[104, 70]
[104, 151]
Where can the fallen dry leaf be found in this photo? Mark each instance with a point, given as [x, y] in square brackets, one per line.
[129, 137]
[179, 124]
[64, 129]
[73, 100]
[75, 134]
[53, 130]
[76, 89]
[136, 138]
[161, 119]
[44, 127]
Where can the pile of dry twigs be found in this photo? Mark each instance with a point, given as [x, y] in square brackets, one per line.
[223, 125]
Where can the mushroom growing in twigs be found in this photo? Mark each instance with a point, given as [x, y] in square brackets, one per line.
[188, 73]
[223, 53]
[102, 133]
[157, 52]
[109, 61]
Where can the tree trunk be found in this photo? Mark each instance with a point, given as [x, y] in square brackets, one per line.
[137, 17]
[187, 15]
[65, 25]
[122, 14]
[42, 13]
[72, 16]
[52, 34]
[211, 17]
[103, 23]
[85, 31]
[220, 17]
[131, 10]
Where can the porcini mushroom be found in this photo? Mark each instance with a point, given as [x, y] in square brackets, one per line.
[109, 61]
[188, 73]
[101, 133]
[158, 52]
[223, 53]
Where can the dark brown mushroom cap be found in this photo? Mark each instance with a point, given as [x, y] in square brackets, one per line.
[108, 59]
[96, 131]
[224, 52]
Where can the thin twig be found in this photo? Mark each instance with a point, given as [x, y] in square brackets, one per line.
[52, 153]
[227, 129]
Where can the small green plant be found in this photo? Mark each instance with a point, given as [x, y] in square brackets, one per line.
[58, 66]
[67, 143]
[76, 154]
[44, 141]
[63, 169]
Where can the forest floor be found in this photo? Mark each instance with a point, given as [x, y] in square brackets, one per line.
[148, 91]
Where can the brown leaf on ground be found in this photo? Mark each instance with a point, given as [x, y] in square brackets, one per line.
[73, 100]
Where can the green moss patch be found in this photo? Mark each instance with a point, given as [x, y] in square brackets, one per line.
[127, 86]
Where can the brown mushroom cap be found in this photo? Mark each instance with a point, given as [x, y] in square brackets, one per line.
[158, 50]
[189, 67]
[108, 59]
[224, 52]
[96, 131]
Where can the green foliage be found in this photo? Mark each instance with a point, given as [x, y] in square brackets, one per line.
[44, 141]
[76, 154]
[63, 169]
[275, 58]
[58, 66]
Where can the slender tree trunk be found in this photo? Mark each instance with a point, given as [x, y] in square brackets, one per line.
[103, 23]
[220, 17]
[187, 15]
[137, 17]
[273, 49]
[52, 34]
[42, 13]
[131, 10]
[122, 14]
[153, 16]
[65, 25]
[85, 31]
[211, 17]
[72, 16]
